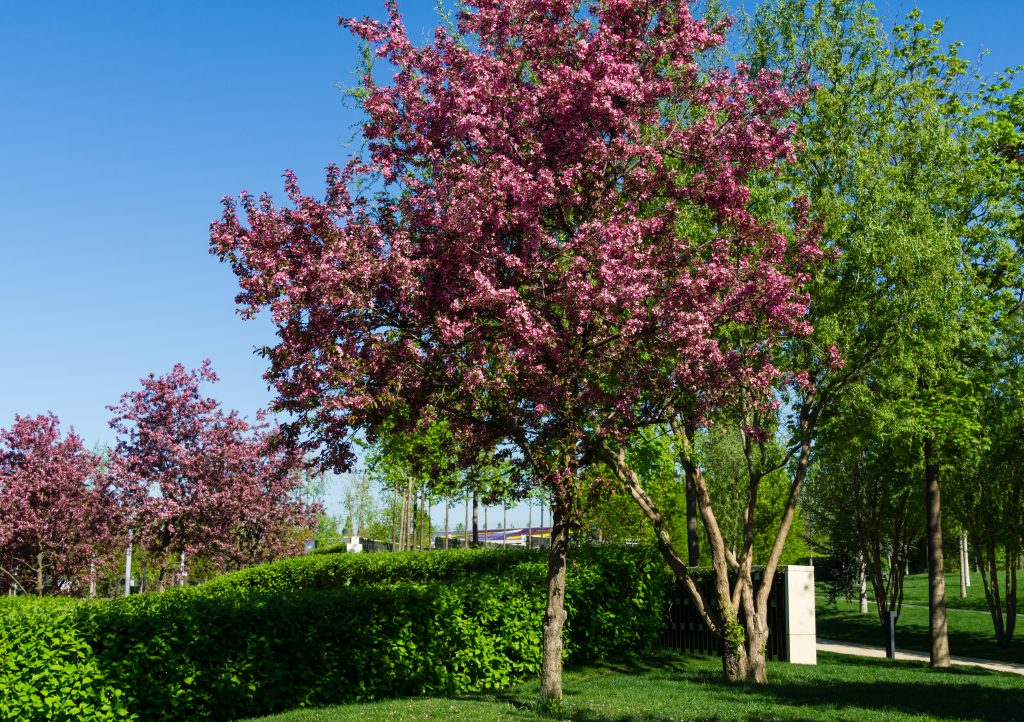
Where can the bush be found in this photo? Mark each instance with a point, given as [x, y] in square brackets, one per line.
[332, 570]
[334, 628]
[47, 670]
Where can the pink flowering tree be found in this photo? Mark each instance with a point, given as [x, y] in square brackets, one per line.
[57, 518]
[558, 235]
[196, 481]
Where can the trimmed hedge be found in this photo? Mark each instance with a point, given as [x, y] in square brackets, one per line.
[47, 670]
[332, 570]
[328, 629]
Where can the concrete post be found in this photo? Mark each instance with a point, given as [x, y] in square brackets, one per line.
[800, 622]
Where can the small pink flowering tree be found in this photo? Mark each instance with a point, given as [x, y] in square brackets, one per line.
[198, 482]
[559, 235]
[57, 519]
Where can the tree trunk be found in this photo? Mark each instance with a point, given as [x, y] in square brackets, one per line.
[476, 517]
[757, 635]
[1011, 594]
[409, 511]
[554, 612]
[447, 504]
[465, 526]
[963, 568]
[394, 522]
[504, 524]
[181, 569]
[692, 537]
[40, 561]
[967, 561]
[939, 652]
[423, 523]
[863, 573]
[128, 566]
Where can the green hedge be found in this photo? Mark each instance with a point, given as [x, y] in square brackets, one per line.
[47, 670]
[332, 570]
[322, 630]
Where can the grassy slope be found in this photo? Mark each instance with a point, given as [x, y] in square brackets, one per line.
[970, 626]
[675, 688]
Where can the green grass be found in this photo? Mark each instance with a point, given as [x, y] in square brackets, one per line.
[691, 688]
[915, 591]
[970, 625]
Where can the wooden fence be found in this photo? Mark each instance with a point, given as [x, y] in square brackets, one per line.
[685, 631]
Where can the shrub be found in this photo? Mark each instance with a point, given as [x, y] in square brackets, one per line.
[334, 628]
[47, 670]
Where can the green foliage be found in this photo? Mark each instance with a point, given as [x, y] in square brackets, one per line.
[323, 629]
[48, 671]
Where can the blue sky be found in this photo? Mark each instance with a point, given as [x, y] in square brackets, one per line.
[122, 124]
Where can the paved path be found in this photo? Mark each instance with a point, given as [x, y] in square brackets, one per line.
[864, 650]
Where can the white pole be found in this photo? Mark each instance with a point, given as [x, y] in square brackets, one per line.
[181, 569]
[529, 522]
[967, 561]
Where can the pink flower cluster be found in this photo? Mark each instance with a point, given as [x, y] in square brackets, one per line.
[561, 237]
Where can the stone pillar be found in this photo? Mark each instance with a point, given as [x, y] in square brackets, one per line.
[801, 629]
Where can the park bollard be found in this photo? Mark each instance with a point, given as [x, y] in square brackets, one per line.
[890, 636]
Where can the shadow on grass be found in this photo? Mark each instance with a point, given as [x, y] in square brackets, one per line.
[841, 688]
[970, 634]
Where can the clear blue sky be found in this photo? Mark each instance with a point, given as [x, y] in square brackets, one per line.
[122, 124]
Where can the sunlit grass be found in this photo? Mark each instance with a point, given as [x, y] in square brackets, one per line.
[681, 688]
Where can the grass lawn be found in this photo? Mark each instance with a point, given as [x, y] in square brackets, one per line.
[915, 591]
[691, 688]
[970, 632]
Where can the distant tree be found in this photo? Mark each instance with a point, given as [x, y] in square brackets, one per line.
[57, 517]
[196, 481]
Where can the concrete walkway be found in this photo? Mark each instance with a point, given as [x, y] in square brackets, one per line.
[864, 650]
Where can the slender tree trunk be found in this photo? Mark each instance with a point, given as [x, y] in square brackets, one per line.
[692, 512]
[40, 561]
[504, 524]
[862, 572]
[92, 577]
[485, 519]
[410, 512]
[181, 569]
[964, 571]
[447, 506]
[1011, 594]
[465, 526]
[939, 652]
[128, 566]
[424, 520]
[476, 516]
[394, 521]
[554, 612]
[692, 536]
